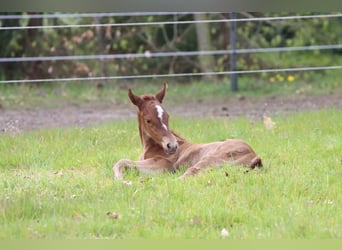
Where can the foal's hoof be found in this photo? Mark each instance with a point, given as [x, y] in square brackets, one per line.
[117, 173]
[127, 183]
[182, 177]
[118, 178]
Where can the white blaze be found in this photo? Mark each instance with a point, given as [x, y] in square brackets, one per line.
[160, 112]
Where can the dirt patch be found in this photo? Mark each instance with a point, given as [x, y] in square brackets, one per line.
[28, 119]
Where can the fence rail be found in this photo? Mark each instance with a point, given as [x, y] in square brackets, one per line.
[148, 54]
[84, 15]
[94, 25]
[49, 80]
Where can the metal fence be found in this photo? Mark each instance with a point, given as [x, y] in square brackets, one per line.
[233, 52]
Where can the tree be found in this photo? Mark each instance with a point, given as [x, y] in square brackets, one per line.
[204, 43]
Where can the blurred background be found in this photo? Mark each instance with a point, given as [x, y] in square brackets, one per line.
[58, 59]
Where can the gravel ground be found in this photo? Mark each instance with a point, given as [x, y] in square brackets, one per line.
[31, 119]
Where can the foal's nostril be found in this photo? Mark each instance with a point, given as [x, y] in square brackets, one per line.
[171, 148]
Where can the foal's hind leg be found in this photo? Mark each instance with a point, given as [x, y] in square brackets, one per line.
[248, 160]
[149, 166]
[204, 164]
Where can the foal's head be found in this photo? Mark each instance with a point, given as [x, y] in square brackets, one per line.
[154, 120]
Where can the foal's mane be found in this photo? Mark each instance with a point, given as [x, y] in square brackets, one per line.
[180, 139]
[148, 97]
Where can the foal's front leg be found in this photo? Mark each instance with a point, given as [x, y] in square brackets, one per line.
[149, 166]
[120, 166]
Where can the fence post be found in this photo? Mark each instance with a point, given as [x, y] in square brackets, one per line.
[232, 37]
[100, 46]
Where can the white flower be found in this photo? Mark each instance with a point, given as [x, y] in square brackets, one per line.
[224, 233]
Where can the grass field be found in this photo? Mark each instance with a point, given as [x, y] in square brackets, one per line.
[57, 183]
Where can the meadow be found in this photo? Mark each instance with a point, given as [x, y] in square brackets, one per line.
[57, 183]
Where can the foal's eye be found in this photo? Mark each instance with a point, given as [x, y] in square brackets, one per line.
[148, 121]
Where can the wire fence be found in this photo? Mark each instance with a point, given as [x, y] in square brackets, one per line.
[94, 25]
[148, 54]
[83, 15]
[70, 79]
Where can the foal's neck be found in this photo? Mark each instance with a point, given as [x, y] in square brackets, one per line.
[151, 148]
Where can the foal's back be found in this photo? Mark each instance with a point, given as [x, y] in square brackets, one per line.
[215, 154]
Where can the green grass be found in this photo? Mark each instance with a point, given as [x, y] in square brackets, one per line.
[57, 183]
[14, 96]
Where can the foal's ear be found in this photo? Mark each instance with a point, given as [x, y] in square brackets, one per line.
[136, 100]
[161, 93]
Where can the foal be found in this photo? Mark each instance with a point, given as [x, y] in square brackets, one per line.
[165, 151]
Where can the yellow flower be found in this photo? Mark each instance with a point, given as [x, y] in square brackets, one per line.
[280, 78]
[290, 78]
[272, 79]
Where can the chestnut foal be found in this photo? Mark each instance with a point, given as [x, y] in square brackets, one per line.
[166, 151]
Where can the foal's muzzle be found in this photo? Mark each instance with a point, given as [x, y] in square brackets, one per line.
[170, 146]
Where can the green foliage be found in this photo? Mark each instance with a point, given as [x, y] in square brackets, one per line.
[57, 184]
[164, 38]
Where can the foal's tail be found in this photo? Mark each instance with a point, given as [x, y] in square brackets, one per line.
[256, 162]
